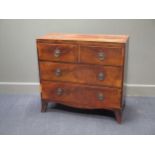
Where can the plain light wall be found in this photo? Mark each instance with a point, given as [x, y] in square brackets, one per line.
[18, 55]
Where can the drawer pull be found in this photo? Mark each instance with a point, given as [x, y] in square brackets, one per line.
[58, 72]
[57, 53]
[101, 76]
[59, 91]
[101, 55]
[100, 97]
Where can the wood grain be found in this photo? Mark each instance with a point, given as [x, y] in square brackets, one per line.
[81, 96]
[68, 53]
[84, 74]
[91, 55]
[85, 37]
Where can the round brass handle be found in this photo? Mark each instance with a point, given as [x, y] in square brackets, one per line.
[100, 97]
[101, 55]
[59, 91]
[57, 53]
[58, 72]
[101, 76]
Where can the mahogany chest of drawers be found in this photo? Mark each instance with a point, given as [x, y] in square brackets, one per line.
[83, 71]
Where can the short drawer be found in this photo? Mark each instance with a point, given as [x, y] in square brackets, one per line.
[81, 73]
[81, 96]
[57, 52]
[101, 55]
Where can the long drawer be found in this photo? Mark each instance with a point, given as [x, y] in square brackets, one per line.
[81, 73]
[81, 96]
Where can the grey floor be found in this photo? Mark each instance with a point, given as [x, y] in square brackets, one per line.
[20, 114]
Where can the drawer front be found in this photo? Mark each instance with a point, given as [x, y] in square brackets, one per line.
[81, 96]
[101, 55]
[80, 73]
[58, 52]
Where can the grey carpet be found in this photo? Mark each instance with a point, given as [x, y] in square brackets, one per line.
[20, 114]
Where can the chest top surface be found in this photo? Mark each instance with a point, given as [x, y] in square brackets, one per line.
[85, 37]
